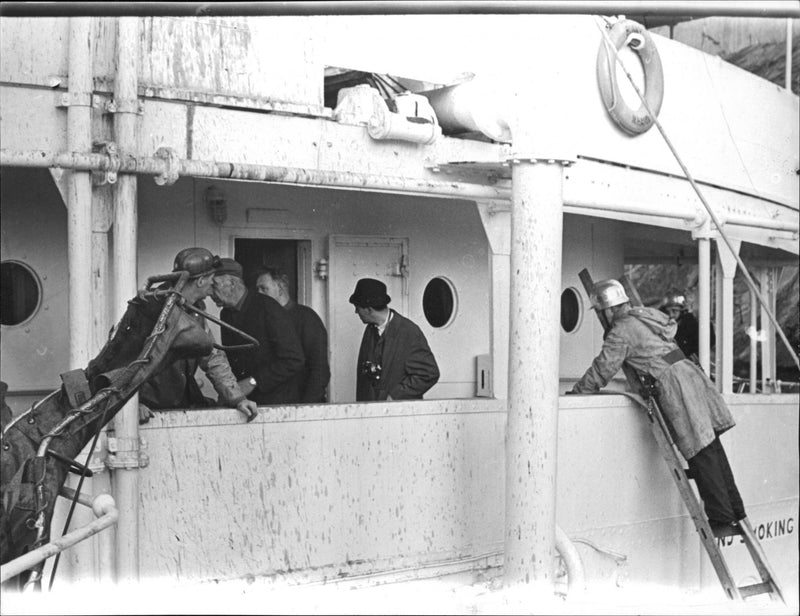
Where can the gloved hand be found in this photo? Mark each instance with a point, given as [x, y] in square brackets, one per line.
[144, 413]
[249, 408]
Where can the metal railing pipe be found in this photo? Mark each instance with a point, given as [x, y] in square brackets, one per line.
[104, 508]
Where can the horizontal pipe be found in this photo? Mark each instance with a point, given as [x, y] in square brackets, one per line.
[341, 179]
[103, 507]
[263, 173]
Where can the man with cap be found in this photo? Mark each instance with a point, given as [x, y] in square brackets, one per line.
[694, 410]
[394, 361]
[269, 374]
[176, 386]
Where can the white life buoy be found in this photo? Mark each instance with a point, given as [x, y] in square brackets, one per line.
[623, 33]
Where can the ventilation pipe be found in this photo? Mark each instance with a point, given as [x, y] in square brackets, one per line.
[126, 423]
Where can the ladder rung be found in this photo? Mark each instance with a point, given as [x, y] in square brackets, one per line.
[755, 589]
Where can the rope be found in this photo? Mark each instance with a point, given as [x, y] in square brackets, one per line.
[711, 213]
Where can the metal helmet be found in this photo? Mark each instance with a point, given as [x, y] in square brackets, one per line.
[608, 293]
[674, 301]
[197, 261]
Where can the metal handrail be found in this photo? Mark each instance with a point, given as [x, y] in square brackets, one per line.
[104, 508]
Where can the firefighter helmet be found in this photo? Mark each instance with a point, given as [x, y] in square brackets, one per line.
[674, 300]
[608, 293]
[197, 261]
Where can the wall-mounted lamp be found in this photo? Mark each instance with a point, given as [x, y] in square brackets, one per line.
[321, 269]
[217, 205]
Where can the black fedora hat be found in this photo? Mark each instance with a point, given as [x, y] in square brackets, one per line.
[370, 293]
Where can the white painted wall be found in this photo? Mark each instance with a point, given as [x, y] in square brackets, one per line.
[34, 222]
[306, 493]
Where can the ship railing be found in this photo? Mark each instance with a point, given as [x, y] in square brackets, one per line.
[106, 513]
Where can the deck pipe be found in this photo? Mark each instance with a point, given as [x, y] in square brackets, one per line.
[79, 233]
[704, 302]
[126, 423]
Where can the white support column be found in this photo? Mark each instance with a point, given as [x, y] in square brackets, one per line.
[534, 346]
[496, 218]
[726, 262]
[753, 342]
[126, 424]
[78, 564]
[768, 284]
[704, 300]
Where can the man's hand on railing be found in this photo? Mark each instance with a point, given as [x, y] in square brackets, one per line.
[144, 413]
[249, 408]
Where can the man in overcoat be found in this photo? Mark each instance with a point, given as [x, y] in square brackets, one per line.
[394, 361]
[693, 409]
[269, 374]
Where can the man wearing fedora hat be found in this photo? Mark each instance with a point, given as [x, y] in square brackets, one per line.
[271, 373]
[394, 361]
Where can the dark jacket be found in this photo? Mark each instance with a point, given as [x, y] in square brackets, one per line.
[314, 339]
[693, 408]
[408, 367]
[277, 362]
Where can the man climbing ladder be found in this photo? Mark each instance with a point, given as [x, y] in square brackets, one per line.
[640, 341]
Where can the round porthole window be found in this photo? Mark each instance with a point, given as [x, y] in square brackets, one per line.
[571, 310]
[439, 302]
[20, 293]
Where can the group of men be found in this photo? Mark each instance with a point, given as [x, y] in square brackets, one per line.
[290, 364]
[395, 362]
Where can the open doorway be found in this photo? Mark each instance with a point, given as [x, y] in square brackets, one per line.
[289, 255]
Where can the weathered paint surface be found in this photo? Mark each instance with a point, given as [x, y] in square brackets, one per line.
[309, 493]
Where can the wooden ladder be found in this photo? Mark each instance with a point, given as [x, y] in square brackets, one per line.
[639, 384]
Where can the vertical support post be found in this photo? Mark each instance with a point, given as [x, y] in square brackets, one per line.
[79, 241]
[727, 267]
[101, 276]
[126, 424]
[768, 283]
[532, 425]
[495, 217]
[788, 75]
[704, 301]
[79, 190]
[753, 342]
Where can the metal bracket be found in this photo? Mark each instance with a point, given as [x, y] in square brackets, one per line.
[75, 99]
[127, 453]
[127, 106]
[109, 176]
[172, 172]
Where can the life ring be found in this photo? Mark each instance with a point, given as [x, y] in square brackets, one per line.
[623, 33]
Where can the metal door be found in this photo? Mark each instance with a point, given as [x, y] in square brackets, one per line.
[351, 258]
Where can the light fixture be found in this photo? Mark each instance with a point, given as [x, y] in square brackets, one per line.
[217, 205]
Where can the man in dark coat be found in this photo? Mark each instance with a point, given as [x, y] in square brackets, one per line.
[394, 361]
[268, 374]
[274, 283]
[687, 335]
[693, 409]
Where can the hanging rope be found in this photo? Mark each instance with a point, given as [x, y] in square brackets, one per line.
[751, 283]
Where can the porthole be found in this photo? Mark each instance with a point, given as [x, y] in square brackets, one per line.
[439, 302]
[20, 293]
[571, 310]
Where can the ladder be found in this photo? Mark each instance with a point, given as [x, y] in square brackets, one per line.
[640, 384]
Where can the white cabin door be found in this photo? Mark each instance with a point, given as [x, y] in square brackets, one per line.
[351, 258]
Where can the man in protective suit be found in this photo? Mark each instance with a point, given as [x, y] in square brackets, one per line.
[175, 386]
[694, 410]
